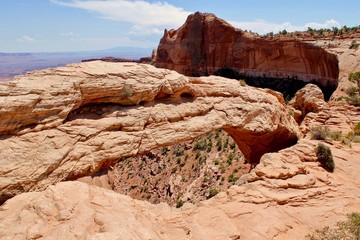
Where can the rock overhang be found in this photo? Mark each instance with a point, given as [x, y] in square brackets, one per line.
[207, 45]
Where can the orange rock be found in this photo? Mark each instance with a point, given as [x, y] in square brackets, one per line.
[207, 45]
[70, 121]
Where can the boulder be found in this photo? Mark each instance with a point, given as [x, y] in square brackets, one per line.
[309, 99]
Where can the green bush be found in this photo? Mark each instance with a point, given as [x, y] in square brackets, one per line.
[355, 101]
[232, 178]
[320, 132]
[347, 230]
[219, 144]
[179, 203]
[325, 157]
[351, 91]
[354, 44]
[213, 192]
[200, 145]
[355, 78]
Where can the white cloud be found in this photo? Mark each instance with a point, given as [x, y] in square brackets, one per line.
[146, 17]
[328, 24]
[25, 38]
[67, 34]
[263, 27]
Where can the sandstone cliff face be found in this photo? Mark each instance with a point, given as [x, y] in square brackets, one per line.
[67, 122]
[207, 45]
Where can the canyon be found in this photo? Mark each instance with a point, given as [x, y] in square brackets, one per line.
[72, 138]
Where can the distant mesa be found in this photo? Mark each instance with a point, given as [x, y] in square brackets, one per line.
[207, 45]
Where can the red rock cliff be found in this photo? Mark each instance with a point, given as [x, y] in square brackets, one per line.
[207, 45]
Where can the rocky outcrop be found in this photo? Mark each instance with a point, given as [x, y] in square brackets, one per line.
[309, 99]
[285, 197]
[349, 59]
[207, 45]
[63, 123]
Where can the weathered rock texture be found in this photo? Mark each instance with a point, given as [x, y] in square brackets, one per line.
[309, 99]
[63, 123]
[207, 45]
[285, 197]
[349, 59]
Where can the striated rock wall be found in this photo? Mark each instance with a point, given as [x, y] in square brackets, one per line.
[207, 45]
[67, 122]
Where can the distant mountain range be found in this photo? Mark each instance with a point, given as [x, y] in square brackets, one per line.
[12, 64]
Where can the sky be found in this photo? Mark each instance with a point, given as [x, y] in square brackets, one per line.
[83, 25]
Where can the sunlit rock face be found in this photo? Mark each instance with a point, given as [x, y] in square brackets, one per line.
[206, 45]
[63, 123]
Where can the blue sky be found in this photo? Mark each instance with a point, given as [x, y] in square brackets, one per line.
[71, 25]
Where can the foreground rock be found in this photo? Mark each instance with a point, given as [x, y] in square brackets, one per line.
[207, 45]
[63, 123]
[285, 197]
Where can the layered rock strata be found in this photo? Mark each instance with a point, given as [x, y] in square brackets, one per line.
[207, 45]
[63, 123]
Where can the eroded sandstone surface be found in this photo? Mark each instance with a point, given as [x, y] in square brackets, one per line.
[207, 45]
[287, 195]
[63, 123]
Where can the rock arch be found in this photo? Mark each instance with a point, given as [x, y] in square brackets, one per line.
[67, 122]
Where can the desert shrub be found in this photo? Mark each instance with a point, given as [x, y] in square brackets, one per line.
[351, 91]
[349, 229]
[127, 91]
[320, 132]
[348, 138]
[216, 162]
[179, 203]
[356, 139]
[354, 100]
[283, 32]
[200, 145]
[230, 158]
[357, 129]
[179, 152]
[232, 178]
[209, 146]
[325, 157]
[202, 160]
[354, 44]
[226, 143]
[355, 78]
[213, 192]
[219, 144]
[164, 151]
[335, 135]
[242, 83]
